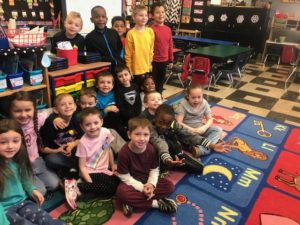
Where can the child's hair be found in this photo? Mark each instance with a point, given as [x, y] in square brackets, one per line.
[74, 15]
[60, 97]
[120, 67]
[89, 111]
[138, 9]
[157, 4]
[104, 74]
[28, 97]
[90, 92]
[147, 77]
[146, 97]
[117, 18]
[136, 122]
[20, 158]
[192, 87]
[165, 109]
[97, 7]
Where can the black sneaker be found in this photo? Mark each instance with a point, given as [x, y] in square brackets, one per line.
[167, 205]
[127, 210]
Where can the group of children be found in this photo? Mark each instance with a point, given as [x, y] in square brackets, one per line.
[78, 143]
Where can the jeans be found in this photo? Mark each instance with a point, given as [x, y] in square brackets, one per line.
[213, 133]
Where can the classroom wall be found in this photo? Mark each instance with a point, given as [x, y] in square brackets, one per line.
[285, 8]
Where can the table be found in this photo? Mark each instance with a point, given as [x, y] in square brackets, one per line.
[219, 53]
[204, 40]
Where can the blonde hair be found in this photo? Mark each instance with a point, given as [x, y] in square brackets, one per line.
[90, 92]
[139, 8]
[74, 15]
[146, 97]
[61, 97]
[192, 87]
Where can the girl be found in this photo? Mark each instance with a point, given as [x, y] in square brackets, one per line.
[22, 109]
[148, 85]
[95, 157]
[194, 113]
[15, 180]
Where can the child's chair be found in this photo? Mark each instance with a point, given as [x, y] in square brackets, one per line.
[201, 70]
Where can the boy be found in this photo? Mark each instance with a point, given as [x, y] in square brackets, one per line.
[102, 39]
[163, 46]
[166, 138]
[152, 101]
[138, 170]
[118, 23]
[73, 25]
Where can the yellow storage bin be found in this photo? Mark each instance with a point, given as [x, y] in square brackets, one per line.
[90, 83]
[70, 88]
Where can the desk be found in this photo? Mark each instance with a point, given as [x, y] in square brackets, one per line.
[204, 40]
[268, 42]
[219, 53]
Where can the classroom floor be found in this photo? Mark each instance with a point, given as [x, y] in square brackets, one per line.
[259, 92]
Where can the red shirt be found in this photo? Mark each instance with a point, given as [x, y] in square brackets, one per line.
[163, 44]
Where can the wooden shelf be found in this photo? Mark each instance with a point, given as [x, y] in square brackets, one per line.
[25, 87]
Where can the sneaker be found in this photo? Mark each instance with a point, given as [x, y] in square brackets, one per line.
[167, 205]
[127, 210]
[71, 192]
[196, 153]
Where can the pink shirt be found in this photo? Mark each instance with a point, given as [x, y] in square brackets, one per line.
[96, 151]
[31, 136]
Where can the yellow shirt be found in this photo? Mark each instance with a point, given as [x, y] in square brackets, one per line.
[139, 50]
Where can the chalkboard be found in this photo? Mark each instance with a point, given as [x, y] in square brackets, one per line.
[112, 7]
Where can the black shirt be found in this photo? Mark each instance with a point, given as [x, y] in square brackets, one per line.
[78, 40]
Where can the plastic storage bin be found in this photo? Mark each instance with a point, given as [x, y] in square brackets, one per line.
[34, 77]
[3, 82]
[91, 74]
[15, 81]
[90, 83]
[71, 55]
[70, 88]
[69, 79]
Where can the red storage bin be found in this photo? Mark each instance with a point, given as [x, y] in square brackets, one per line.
[71, 55]
[91, 73]
[65, 80]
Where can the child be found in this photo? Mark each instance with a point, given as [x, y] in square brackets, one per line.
[107, 104]
[166, 138]
[59, 144]
[95, 157]
[127, 95]
[194, 113]
[141, 187]
[118, 23]
[139, 45]
[73, 25]
[15, 180]
[163, 46]
[148, 85]
[102, 39]
[22, 109]
[152, 101]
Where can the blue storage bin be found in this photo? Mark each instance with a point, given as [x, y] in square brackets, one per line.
[33, 77]
[3, 82]
[15, 81]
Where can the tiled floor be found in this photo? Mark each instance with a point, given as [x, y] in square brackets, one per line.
[260, 92]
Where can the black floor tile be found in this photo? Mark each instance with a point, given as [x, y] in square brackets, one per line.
[278, 71]
[282, 117]
[240, 109]
[212, 99]
[262, 81]
[291, 96]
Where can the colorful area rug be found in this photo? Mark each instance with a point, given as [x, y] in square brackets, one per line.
[257, 183]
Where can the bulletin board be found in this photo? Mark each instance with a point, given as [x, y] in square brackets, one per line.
[112, 7]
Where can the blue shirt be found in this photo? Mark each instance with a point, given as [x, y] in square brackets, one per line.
[105, 100]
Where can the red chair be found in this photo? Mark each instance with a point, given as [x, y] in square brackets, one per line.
[200, 70]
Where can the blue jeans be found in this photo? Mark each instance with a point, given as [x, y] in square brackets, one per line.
[58, 161]
[44, 179]
[29, 213]
[213, 133]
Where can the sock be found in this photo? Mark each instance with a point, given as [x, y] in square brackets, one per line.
[154, 203]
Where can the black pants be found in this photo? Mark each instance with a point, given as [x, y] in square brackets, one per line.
[113, 120]
[103, 185]
[138, 79]
[159, 70]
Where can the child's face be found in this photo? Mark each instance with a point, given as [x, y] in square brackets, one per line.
[139, 138]
[99, 18]
[73, 26]
[195, 97]
[159, 15]
[87, 101]
[65, 107]
[149, 85]
[105, 84]
[22, 112]
[120, 27]
[124, 77]
[10, 143]
[92, 125]
[141, 18]
[154, 100]
[163, 122]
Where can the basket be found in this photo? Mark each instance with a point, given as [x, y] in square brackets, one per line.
[33, 77]
[15, 80]
[3, 82]
[21, 38]
[71, 55]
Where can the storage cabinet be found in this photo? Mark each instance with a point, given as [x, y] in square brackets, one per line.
[72, 80]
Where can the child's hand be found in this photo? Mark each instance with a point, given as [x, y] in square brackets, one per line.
[221, 147]
[111, 108]
[61, 149]
[69, 147]
[38, 197]
[176, 162]
[170, 66]
[200, 130]
[114, 168]
[59, 123]
[148, 190]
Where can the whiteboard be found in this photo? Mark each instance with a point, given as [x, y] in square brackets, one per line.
[112, 7]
